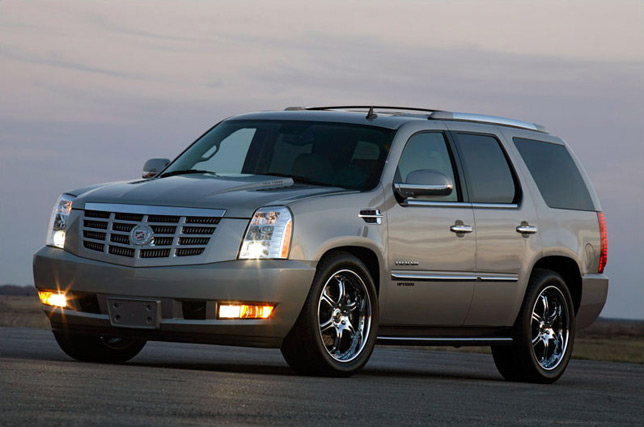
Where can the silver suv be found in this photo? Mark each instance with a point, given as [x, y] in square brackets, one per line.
[323, 231]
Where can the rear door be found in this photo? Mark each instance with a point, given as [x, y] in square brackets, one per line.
[505, 221]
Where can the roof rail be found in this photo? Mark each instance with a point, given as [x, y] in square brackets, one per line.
[433, 115]
[480, 118]
[368, 107]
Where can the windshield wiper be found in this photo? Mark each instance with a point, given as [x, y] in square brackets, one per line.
[185, 172]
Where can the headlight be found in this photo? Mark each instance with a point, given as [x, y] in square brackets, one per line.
[268, 234]
[58, 222]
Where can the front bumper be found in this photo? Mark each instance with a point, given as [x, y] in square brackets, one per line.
[593, 298]
[284, 283]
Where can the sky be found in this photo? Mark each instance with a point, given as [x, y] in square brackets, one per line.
[89, 90]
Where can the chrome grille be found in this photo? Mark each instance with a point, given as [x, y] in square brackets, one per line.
[109, 232]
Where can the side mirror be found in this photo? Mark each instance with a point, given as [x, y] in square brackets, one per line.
[153, 166]
[425, 182]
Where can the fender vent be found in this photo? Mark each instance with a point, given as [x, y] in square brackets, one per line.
[371, 216]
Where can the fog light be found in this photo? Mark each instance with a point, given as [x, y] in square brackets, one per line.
[50, 298]
[244, 311]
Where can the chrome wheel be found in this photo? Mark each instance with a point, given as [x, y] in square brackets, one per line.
[344, 315]
[550, 328]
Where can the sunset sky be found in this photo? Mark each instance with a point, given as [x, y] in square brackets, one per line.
[89, 90]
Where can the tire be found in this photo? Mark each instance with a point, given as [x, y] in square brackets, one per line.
[543, 335]
[336, 331]
[88, 348]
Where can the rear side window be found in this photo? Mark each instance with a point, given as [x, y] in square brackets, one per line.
[489, 177]
[556, 174]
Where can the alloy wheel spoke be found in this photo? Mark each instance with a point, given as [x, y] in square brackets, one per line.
[559, 341]
[327, 299]
[337, 341]
[545, 350]
[556, 312]
[351, 329]
[326, 325]
[544, 302]
[536, 317]
[536, 340]
[341, 289]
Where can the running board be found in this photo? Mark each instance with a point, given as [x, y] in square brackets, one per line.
[439, 341]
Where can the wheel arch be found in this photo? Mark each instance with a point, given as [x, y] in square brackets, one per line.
[367, 255]
[569, 270]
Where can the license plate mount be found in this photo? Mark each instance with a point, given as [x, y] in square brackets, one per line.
[134, 313]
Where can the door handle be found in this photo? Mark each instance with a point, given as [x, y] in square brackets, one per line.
[461, 228]
[524, 228]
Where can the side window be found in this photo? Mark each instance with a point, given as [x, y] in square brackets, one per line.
[488, 175]
[427, 151]
[556, 174]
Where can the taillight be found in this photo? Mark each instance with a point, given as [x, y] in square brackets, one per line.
[603, 255]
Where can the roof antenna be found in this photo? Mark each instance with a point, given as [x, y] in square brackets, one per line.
[371, 114]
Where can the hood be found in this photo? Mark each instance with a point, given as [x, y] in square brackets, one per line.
[239, 195]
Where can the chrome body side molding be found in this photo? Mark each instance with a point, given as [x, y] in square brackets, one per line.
[427, 277]
[427, 203]
[457, 277]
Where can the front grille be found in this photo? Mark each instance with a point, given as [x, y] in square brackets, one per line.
[95, 224]
[97, 235]
[94, 246]
[119, 226]
[155, 253]
[202, 220]
[163, 229]
[129, 217]
[190, 251]
[121, 251]
[193, 240]
[111, 234]
[120, 238]
[198, 230]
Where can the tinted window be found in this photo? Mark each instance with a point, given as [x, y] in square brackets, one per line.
[427, 151]
[489, 178]
[556, 174]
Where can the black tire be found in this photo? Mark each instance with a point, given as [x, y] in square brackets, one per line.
[343, 291]
[543, 335]
[88, 348]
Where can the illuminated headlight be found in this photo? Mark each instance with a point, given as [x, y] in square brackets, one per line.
[268, 234]
[59, 221]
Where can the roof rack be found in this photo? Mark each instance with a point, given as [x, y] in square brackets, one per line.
[480, 118]
[433, 115]
[368, 107]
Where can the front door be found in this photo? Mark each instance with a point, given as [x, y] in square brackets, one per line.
[431, 251]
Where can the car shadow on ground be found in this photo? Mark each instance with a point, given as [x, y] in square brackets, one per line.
[274, 369]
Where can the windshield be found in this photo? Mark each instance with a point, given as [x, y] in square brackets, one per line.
[320, 153]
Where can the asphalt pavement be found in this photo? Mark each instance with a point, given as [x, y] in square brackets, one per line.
[189, 384]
